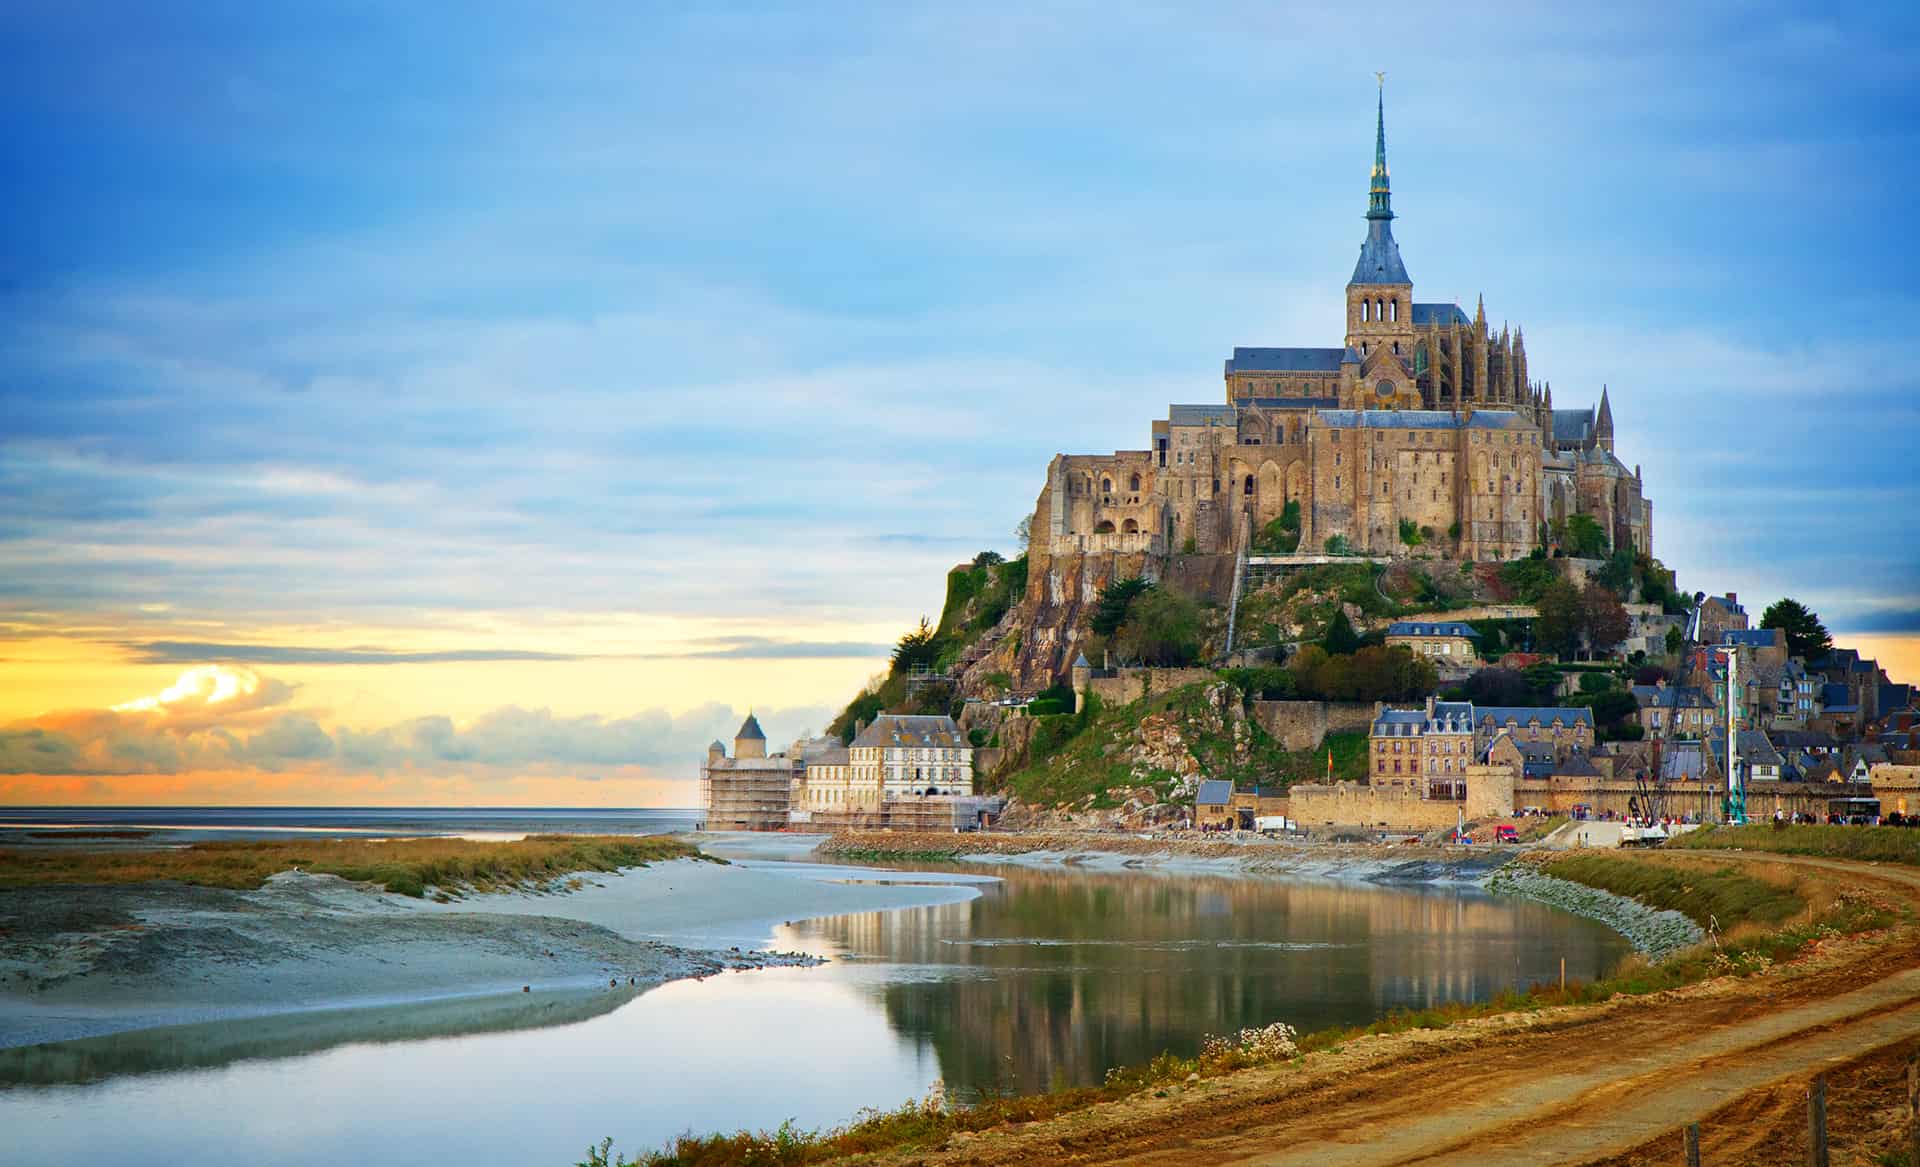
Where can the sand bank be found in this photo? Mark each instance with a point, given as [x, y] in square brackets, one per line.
[80, 962]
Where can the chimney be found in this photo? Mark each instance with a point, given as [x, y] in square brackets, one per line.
[1430, 707]
[1733, 597]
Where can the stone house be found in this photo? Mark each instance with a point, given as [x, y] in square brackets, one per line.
[905, 756]
[1674, 711]
[1452, 645]
[1716, 615]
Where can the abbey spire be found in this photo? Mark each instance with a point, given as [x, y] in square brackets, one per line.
[1380, 255]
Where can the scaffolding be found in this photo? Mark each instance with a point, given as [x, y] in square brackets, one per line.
[747, 797]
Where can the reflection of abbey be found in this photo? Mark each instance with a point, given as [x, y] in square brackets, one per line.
[1421, 415]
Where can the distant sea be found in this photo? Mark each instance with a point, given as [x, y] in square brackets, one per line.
[187, 824]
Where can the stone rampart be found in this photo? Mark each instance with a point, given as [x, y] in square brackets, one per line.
[1490, 794]
[1125, 686]
[1303, 725]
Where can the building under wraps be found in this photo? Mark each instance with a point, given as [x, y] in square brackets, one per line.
[902, 772]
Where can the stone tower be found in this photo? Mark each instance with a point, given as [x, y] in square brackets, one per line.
[1380, 295]
[750, 742]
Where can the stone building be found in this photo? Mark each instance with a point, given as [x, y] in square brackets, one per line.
[1448, 643]
[1431, 749]
[750, 791]
[906, 756]
[1423, 425]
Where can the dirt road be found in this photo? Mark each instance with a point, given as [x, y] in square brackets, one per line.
[1612, 1084]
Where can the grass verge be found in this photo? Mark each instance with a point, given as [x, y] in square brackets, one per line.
[1866, 844]
[406, 866]
[1722, 898]
[1756, 948]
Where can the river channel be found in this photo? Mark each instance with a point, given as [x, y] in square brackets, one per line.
[1049, 976]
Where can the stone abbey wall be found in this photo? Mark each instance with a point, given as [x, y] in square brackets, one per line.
[1303, 725]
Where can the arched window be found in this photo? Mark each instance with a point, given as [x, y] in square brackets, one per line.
[1130, 527]
[1106, 485]
[1133, 484]
[1366, 310]
[1379, 309]
[1103, 527]
[1248, 488]
[1396, 309]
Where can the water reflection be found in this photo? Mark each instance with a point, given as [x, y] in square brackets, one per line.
[1056, 976]
[1049, 976]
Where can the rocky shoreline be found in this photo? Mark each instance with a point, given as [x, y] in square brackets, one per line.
[1656, 933]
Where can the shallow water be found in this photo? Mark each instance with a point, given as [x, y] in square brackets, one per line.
[1050, 976]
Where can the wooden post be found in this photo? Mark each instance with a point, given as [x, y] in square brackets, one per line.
[1913, 1107]
[1693, 1144]
[1817, 1123]
[1563, 974]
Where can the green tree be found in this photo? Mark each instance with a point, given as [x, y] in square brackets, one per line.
[1341, 639]
[1110, 608]
[1526, 579]
[1675, 641]
[1603, 619]
[989, 559]
[1338, 545]
[1617, 574]
[1807, 637]
[1544, 677]
[1585, 538]
[1305, 667]
[919, 647]
[1162, 628]
[1558, 629]
[1023, 532]
[1410, 533]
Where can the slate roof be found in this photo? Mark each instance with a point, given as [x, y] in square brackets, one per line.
[1894, 698]
[750, 729]
[1415, 628]
[1577, 765]
[833, 755]
[1683, 760]
[1729, 604]
[1285, 360]
[1804, 739]
[1380, 257]
[1525, 714]
[1670, 697]
[914, 731]
[1214, 792]
[1572, 425]
[1200, 414]
[1749, 638]
[1835, 698]
[1439, 314]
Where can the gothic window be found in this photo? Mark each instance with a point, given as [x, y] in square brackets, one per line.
[1396, 316]
[1366, 310]
[1133, 484]
[1106, 485]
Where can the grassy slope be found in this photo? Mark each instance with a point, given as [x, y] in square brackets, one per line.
[1077, 755]
[407, 866]
[1867, 844]
[1724, 897]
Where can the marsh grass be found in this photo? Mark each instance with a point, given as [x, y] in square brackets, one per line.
[406, 866]
[1717, 898]
[1801, 914]
[1867, 844]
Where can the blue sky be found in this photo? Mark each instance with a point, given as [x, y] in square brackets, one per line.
[656, 333]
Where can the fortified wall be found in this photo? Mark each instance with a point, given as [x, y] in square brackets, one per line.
[1490, 794]
[1303, 725]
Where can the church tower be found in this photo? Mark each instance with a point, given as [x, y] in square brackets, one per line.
[1380, 296]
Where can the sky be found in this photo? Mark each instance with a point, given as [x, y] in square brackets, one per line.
[493, 403]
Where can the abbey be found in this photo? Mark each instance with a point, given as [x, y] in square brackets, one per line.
[1421, 421]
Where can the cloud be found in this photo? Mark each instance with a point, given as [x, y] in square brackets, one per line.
[769, 648]
[220, 718]
[165, 652]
